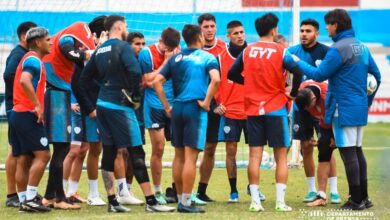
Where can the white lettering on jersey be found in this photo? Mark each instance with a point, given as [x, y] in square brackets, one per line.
[260, 52]
[103, 49]
[89, 35]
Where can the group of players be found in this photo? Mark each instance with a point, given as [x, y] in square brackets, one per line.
[97, 83]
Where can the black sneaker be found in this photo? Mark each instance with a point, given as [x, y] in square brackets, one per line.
[368, 203]
[117, 208]
[189, 209]
[34, 205]
[21, 209]
[205, 198]
[170, 195]
[351, 205]
[12, 201]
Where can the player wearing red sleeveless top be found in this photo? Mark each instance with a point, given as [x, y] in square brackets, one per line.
[263, 78]
[311, 100]
[28, 134]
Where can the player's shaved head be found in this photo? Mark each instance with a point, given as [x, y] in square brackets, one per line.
[111, 20]
[265, 24]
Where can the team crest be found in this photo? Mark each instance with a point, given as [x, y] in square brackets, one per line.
[226, 129]
[77, 130]
[69, 128]
[296, 128]
[44, 141]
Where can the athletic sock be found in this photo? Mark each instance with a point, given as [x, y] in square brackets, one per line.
[322, 194]
[93, 188]
[233, 185]
[333, 185]
[122, 187]
[186, 199]
[72, 189]
[151, 200]
[179, 197]
[65, 184]
[311, 184]
[280, 191]
[31, 192]
[254, 189]
[129, 187]
[202, 188]
[112, 200]
[22, 196]
[157, 189]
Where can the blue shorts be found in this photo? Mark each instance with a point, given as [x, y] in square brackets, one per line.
[157, 119]
[58, 115]
[271, 129]
[189, 123]
[232, 130]
[84, 129]
[26, 134]
[118, 127]
[214, 126]
[304, 126]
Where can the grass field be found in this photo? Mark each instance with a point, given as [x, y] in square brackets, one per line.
[377, 151]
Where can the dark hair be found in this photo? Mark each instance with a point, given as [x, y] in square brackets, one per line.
[206, 17]
[24, 27]
[339, 17]
[132, 35]
[266, 23]
[110, 21]
[303, 98]
[97, 25]
[234, 24]
[170, 37]
[191, 33]
[311, 22]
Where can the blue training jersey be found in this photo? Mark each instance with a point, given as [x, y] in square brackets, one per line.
[189, 71]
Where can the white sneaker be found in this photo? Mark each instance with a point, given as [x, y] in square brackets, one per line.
[256, 207]
[95, 201]
[159, 208]
[129, 200]
[282, 207]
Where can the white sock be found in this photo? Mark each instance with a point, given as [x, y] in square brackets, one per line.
[157, 189]
[72, 189]
[280, 191]
[322, 194]
[93, 188]
[64, 184]
[333, 185]
[186, 199]
[22, 196]
[311, 184]
[254, 189]
[122, 187]
[31, 192]
[179, 198]
[129, 187]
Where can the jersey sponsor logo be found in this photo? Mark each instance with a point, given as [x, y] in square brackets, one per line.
[155, 125]
[261, 52]
[103, 49]
[178, 58]
[74, 54]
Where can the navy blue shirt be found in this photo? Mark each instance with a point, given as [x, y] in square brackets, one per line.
[9, 74]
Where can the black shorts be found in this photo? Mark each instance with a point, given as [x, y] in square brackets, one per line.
[232, 130]
[304, 126]
[26, 134]
[213, 134]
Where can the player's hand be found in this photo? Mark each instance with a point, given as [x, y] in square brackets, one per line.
[220, 110]
[75, 108]
[168, 55]
[39, 112]
[295, 58]
[92, 114]
[168, 111]
[289, 96]
[204, 105]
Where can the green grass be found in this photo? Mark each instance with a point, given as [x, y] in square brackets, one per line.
[377, 151]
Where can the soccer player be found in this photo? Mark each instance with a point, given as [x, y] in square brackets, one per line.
[190, 72]
[346, 65]
[311, 104]
[232, 103]
[119, 93]
[214, 46]
[11, 64]
[28, 135]
[313, 52]
[152, 60]
[262, 66]
[71, 45]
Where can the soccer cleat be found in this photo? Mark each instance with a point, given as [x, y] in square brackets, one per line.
[21, 209]
[12, 201]
[205, 198]
[76, 198]
[233, 197]
[318, 201]
[129, 200]
[189, 209]
[335, 198]
[171, 195]
[34, 205]
[351, 205]
[282, 207]
[95, 201]
[368, 203]
[159, 208]
[196, 201]
[261, 195]
[117, 208]
[256, 207]
[160, 197]
[310, 197]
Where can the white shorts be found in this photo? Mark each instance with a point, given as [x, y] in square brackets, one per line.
[347, 136]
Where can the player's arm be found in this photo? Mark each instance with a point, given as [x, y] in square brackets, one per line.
[133, 68]
[331, 63]
[86, 77]
[373, 69]
[146, 66]
[72, 53]
[10, 68]
[158, 87]
[292, 67]
[235, 71]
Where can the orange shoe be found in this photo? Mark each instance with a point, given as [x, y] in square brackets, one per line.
[76, 198]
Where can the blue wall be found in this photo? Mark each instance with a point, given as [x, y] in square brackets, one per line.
[370, 25]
